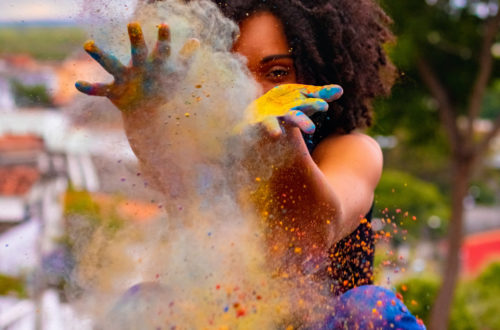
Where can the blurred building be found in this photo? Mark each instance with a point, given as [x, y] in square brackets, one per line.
[22, 68]
[80, 67]
[42, 153]
[35, 170]
[7, 102]
[479, 250]
[32, 181]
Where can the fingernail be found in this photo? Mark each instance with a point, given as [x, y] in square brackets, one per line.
[89, 46]
[82, 87]
[134, 29]
[322, 105]
[310, 129]
[163, 31]
[329, 92]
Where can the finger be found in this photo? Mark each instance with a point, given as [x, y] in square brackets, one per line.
[188, 50]
[110, 63]
[328, 93]
[272, 126]
[162, 48]
[300, 120]
[138, 45]
[310, 106]
[93, 89]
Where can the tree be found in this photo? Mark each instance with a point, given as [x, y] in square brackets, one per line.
[31, 96]
[445, 48]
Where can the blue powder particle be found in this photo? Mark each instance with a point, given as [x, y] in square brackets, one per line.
[226, 309]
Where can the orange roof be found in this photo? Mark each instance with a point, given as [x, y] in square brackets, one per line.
[71, 70]
[9, 142]
[17, 180]
[24, 61]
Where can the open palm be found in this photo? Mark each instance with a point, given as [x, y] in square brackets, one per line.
[139, 85]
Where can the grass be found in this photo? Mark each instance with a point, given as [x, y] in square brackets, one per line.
[12, 285]
[43, 43]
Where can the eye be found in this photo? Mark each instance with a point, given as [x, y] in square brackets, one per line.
[278, 73]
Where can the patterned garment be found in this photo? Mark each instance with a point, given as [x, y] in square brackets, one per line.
[352, 259]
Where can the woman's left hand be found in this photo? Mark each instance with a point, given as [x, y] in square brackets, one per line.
[291, 104]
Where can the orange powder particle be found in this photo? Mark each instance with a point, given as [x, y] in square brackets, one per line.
[240, 312]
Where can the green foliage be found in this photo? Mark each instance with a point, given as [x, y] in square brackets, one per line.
[482, 296]
[31, 96]
[43, 43]
[483, 193]
[11, 285]
[408, 194]
[419, 294]
[491, 104]
[475, 305]
[447, 37]
[82, 204]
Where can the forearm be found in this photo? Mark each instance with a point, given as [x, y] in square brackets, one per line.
[306, 211]
[146, 133]
[325, 197]
[141, 128]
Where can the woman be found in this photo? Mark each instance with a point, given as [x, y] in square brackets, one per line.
[333, 171]
[328, 42]
[319, 43]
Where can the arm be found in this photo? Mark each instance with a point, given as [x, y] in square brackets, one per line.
[351, 165]
[138, 91]
[332, 190]
[313, 202]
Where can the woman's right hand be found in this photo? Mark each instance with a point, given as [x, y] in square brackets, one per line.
[292, 104]
[140, 85]
[139, 90]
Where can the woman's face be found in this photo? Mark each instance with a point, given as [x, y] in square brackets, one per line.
[263, 42]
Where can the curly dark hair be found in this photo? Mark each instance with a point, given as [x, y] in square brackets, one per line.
[333, 41]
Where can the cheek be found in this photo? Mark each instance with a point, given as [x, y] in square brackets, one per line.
[264, 84]
[267, 86]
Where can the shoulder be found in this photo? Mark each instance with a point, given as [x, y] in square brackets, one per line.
[352, 143]
[354, 152]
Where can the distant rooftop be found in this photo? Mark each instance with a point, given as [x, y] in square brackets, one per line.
[17, 180]
[25, 142]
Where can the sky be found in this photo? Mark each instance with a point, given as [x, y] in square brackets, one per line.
[37, 10]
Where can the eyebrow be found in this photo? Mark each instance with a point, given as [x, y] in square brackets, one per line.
[274, 57]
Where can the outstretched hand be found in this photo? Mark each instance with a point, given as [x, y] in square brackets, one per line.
[291, 104]
[141, 84]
